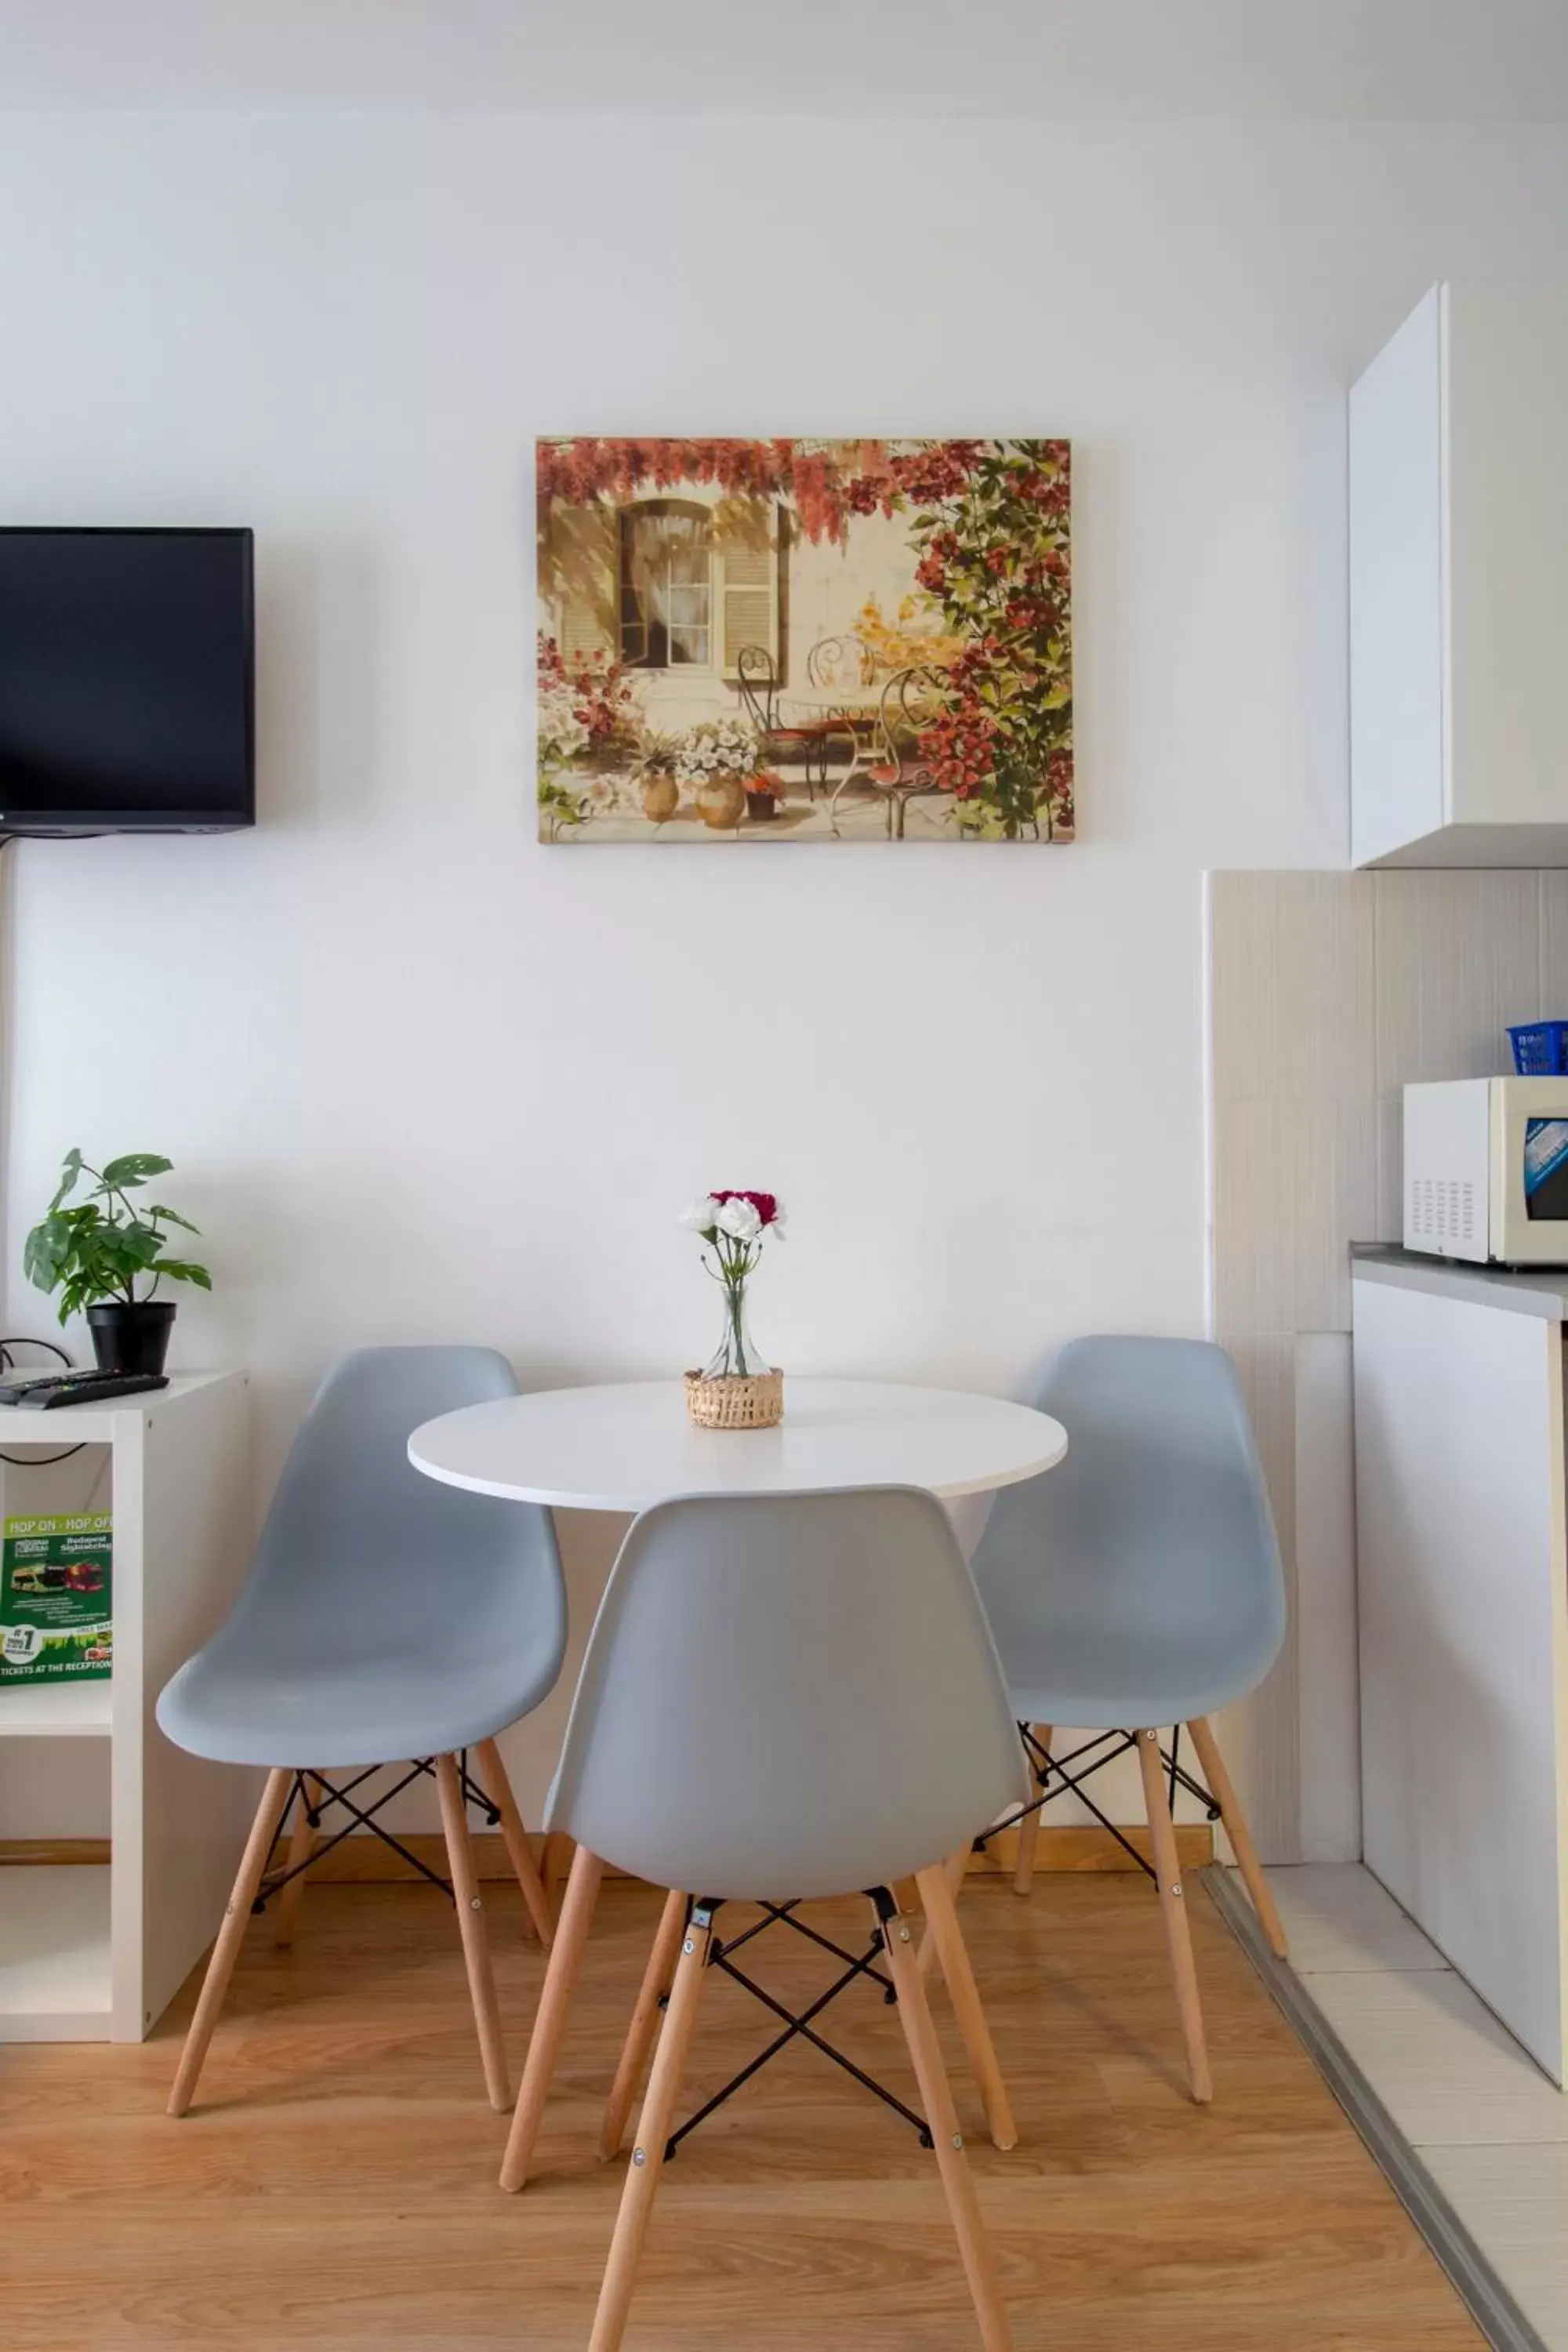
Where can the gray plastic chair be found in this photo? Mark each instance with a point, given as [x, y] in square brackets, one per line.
[385, 1617]
[783, 1696]
[1138, 1585]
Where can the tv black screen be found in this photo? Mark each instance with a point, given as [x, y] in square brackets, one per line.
[126, 685]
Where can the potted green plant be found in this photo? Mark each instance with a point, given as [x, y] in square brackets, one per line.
[96, 1253]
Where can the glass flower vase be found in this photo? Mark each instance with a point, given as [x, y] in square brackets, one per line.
[737, 1356]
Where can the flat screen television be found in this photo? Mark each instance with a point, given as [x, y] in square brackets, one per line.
[126, 681]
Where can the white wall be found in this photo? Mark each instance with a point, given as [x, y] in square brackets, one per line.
[423, 1076]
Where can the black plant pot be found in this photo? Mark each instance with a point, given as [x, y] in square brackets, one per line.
[132, 1339]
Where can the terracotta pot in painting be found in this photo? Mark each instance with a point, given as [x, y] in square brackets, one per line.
[660, 798]
[722, 802]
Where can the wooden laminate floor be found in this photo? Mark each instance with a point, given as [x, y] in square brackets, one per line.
[335, 2184]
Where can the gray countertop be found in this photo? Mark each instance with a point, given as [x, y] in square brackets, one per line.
[1541, 1291]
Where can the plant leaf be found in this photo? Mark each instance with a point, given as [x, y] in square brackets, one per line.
[70, 1168]
[137, 1244]
[180, 1270]
[170, 1217]
[44, 1252]
[133, 1168]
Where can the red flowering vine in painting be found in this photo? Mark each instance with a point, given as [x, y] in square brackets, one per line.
[995, 552]
[826, 481]
[957, 745]
[582, 470]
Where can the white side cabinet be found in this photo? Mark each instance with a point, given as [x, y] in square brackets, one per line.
[94, 1950]
[1458, 588]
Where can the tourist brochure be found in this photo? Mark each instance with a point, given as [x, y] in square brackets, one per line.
[55, 1614]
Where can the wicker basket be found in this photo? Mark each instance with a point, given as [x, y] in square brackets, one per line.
[733, 1401]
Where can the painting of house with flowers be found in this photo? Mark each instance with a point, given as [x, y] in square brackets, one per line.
[814, 640]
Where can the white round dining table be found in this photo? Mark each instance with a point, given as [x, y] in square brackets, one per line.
[628, 1445]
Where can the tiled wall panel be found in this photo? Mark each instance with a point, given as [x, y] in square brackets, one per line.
[1554, 944]
[1269, 1045]
[1262, 1736]
[1327, 1712]
[1293, 1183]
[1459, 955]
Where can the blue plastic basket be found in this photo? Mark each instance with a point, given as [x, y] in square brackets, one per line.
[1540, 1048]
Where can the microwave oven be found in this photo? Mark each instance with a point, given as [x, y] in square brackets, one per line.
[1485, 1170]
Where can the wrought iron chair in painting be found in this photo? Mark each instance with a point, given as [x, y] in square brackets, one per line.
[836, 676]
[834, 662]
[892, 765]
[757, 674]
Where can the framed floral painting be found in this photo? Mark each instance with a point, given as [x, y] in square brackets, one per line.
[770, 641]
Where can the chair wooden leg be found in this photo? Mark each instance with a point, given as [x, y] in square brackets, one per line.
[302, 1844]
[471, 1923]
[1162, 1836]
[936, 2098]
[640, 2034]
[944, 1931]
[652, 2133]
[231, 1934]
[1240, 1836]
[539, 1920]
[955, 1870]
[557, 1863]
[1029, 1827]
[550, 2023]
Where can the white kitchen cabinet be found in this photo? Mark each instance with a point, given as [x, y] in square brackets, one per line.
[1462, 1605]
[1458, 528]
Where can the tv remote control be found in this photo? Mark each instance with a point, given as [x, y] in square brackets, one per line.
[54, 1389]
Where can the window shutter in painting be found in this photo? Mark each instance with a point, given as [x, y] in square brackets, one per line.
[582, 629]
[749, 562]
[583, 555]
